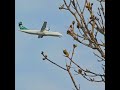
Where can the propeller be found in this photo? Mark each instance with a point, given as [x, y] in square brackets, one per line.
[49, 29]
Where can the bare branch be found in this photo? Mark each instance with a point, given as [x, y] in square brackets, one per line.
[68, 69]
[99, 57]
[45, 58]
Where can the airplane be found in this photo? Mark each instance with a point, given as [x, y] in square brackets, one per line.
[43, 32]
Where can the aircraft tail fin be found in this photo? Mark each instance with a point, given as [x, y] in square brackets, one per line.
[22, 27]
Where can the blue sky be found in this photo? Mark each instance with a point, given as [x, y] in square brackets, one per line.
[31, 72]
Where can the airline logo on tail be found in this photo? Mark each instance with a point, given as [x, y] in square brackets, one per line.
[22, 27]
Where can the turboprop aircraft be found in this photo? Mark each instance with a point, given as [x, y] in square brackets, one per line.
[43, 32]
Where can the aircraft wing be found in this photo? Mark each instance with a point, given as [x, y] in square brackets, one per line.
[44, 26]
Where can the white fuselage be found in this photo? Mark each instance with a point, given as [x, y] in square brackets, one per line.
[43, 33]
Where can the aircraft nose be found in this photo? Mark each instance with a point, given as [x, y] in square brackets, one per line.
[61, 35]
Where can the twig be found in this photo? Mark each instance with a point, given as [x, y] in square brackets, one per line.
[68, 69]
[45, 58]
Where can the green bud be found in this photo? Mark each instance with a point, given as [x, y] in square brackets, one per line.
[79, 71]
[66, 53]
[74, 45]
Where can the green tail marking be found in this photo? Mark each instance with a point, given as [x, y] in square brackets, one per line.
[22, 27]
